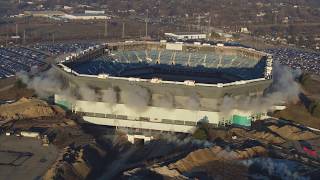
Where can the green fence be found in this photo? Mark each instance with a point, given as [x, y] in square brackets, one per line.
[64, 104]
[241, 120]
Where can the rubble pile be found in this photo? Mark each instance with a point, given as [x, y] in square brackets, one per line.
[75, 163]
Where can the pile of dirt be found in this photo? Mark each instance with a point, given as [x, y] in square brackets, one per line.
[212, 170]
[259, 135]
[298, 113]
[11, 91]
[165, 171]
[290, 132]
[26, 109]
[65, 135]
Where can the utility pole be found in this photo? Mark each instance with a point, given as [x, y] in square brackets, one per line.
[7, 40]
[106, 29]
[17, 30]
[123, 29]
[52, 38]
[147, 23]
[209, 24]
[24, 36]
[17, 33]
[199, 23]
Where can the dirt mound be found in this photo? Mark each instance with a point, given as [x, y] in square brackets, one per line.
[260, 135]
[165, 171]
[292, 133]
[202, 157]
[26, 109]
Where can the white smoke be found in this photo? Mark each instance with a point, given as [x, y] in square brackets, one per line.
[136, 97]
[193, 102]
[50, 82]
[44, 85]
[109, 95]
[166, 100]
[88, 94]
[282, 169]
[284, 89]
[172, 138]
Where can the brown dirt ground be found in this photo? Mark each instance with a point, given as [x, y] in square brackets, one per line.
[16, 93]
[299, 114]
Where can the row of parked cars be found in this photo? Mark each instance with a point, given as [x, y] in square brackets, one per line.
[62, 48]
[16, 59]
[297, 59]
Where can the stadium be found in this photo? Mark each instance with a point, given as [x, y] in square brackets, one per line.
[147, 87]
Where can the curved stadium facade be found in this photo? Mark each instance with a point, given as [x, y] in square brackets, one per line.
[163, 86]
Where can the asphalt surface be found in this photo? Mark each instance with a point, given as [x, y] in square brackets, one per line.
[24, 158]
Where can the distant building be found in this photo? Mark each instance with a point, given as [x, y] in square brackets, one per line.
[185, 35]
[94, 12]
[244, 30]
[261, 14]
[85, 17]
[285, 20]
[58, 15]
[67, 7]
[44, 13]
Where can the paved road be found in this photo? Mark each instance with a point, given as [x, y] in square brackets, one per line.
[6, 87]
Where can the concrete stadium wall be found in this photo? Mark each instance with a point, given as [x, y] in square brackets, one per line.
[209, 96]
[148, 117]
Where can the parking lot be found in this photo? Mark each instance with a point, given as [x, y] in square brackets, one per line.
[16, 59]
[62, 48]
[24, 158]
[297, 59]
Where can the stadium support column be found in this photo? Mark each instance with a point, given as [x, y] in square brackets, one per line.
[173, 62]
[188, 63]
[159, 56]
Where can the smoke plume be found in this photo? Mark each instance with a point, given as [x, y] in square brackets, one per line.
[282, 169]
[136, 97]
[284, 89]
[50, 82]
[193, 102]
[166, 100]
[44, 85]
